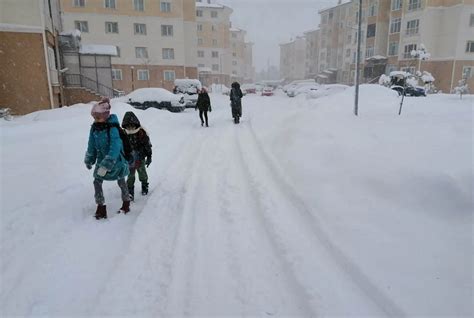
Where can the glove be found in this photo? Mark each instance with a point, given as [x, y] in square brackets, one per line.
[101, 172]
[148, 161]
[210, 109]
[88, 166]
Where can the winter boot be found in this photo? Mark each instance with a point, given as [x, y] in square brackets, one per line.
[144, 188]
[131, 191]
[125, 207]
[101, 212]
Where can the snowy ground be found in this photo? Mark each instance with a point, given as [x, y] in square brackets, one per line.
[301, 210]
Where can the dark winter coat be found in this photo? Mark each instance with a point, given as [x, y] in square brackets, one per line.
[204, 102]
[105, 148]
[138, 137]
[236, 96]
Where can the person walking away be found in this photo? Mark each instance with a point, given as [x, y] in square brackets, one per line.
[236, 101]
[141, 149]
[204, 105]
[105, 150]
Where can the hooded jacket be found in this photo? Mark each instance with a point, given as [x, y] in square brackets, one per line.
[203, 102]
[236, 96]
[138, 137]
[105, 149]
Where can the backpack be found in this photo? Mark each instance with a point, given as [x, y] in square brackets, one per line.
[127, 146]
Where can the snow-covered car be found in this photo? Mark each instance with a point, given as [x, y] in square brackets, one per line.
[189, 88]
[267, 91]
[301, 88]
[156, 97]
[249, 89]
[296, 82]
[326, 90]
[405, 84]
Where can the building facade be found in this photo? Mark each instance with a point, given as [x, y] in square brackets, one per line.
[293, 59]
[29, 55]
[241, 51]
[155, 40]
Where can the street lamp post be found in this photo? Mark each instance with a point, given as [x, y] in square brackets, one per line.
[356, 101]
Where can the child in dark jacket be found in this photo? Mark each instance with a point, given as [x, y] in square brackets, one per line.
[204, 105]
[105, 150]
[141, 147]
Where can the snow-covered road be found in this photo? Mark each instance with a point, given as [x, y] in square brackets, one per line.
[230, 226]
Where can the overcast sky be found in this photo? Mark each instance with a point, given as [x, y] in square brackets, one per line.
[271, 22]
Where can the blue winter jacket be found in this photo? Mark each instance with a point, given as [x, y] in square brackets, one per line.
[107, 152]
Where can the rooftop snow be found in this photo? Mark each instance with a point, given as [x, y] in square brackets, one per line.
[209, 5]
[98, 49]
[75, 33]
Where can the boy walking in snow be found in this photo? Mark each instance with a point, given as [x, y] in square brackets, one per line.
[141, 146]
[105, 150]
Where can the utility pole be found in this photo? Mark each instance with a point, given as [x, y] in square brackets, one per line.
[359, 29]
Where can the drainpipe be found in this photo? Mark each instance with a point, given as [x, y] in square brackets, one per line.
[45, 48]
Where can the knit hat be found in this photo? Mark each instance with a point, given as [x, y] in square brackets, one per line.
[101, 110]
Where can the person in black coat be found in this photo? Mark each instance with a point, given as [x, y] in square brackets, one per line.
[204, 105]
[236, 101]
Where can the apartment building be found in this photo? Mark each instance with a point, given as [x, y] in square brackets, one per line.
[29, 55]
[312, 53]
[214, 58]
[242, 66]
[155, 39]
[293, 59]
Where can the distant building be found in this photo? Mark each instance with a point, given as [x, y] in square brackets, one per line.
[312, 53]
[29, 55]
[242, 66]
[293, 59]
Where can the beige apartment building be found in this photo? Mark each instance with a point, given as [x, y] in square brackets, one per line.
[29, 56]
[312, 53]
[213, 43]
[391, 30]
[241, 51]
[155, 39]
[293, 59]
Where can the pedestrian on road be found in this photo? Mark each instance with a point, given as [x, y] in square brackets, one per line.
[141, 150]
[204, 105]
[105, 150]
[236, 101]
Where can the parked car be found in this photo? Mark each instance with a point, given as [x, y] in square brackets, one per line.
[267, 91]
[300, 88]
[189, 88]
[296, 82]
[405, 84]
[326, 90]
[249, 89]
[160, 98]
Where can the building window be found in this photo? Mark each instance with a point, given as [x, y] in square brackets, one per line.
[138, 5]
[331, 14]
[110, 4]
[354, 57]
[141, 52]
[470, 47]
[214, 42]
[165, 6]
[414, 4]
[111, 27]
[371, 30]
[143, 75]
[349, 38]
[168, 54]
[199, 41]
[213, 28]
[410, 69]
[393, 48]
[471, 20]
[348, 53]
[234, 63]
[391, 68]
[116, 74]
[139, 28]
[166, 30]
[234, 54]
[467, 72]
[369, 52]
[213, 14]
[408, 49]
[199, 27]
[200, 53]
[234, 35]
[412, 27]
[215, 54]
[201, 65]
[324, 19]
[79, 3]
[395, 25]
[215, 67]
[396, 5]
[82, 26]
[169, 76]
[373, 10]
[118, 51]
[199, 13]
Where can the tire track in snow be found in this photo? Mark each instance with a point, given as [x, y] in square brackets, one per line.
[311, 223]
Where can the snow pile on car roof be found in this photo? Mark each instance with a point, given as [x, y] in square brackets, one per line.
[152, 94]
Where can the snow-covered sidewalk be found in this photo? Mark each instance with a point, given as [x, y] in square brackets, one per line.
[302, 209]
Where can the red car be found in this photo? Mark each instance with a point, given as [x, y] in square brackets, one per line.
[267, 91]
